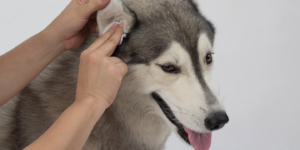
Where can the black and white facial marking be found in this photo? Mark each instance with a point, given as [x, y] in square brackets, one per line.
[170, 115]
[169, 54]
[172, 81]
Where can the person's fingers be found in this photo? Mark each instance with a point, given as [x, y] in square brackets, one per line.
[115, 60]
[110, 45]
[85, 8]
[102, 39]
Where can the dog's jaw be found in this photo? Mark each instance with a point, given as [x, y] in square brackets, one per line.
[169, 114]
[200, 141]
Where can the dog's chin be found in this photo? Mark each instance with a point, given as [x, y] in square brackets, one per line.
[200, 141]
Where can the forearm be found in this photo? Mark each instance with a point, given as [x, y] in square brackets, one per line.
[25, 62]
[72, 128]
[22, 64]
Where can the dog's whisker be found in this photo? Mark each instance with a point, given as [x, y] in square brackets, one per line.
[178, 106]
[224, 97]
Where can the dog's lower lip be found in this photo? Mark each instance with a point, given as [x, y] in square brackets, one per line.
[184, 135]
[200, 141]
[169, 114]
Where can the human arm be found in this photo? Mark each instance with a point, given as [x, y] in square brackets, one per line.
[22, 64]
[99, 79]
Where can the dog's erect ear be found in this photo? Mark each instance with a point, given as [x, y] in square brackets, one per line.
[196, 4]
[115, 12]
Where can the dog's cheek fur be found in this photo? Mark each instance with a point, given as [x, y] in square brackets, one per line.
[137, 82]
[186, 96]
[182, 92]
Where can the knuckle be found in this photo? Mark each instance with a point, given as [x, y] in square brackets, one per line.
[109, 102]
[83, 55]
[114, 57]
[120, 78]
[120, 60]
[104, 61]
[125, 68]
[117, 60]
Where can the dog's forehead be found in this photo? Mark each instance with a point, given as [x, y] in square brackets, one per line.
[158, 24]
[177, 54]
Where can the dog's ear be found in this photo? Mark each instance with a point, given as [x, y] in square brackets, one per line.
[196, 4]
[115, 12]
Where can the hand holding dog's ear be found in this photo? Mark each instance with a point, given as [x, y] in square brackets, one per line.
[78, 20]
[100, 75]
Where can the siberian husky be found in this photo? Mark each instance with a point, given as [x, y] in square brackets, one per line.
[168, 51]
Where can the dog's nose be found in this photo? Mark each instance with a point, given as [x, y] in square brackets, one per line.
[216, 121]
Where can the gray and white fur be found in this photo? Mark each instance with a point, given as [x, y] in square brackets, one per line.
[160, 33]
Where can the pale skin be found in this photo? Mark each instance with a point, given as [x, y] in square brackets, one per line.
[99, 75]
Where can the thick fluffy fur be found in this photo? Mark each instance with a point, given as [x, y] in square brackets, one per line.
[161, 31]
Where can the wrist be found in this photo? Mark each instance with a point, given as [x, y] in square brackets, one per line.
[95, 105]
[52, 40]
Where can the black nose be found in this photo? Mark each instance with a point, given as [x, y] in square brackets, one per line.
[216, 121]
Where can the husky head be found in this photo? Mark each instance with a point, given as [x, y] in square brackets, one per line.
[169, 49]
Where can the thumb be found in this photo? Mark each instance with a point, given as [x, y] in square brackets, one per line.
[85, 8]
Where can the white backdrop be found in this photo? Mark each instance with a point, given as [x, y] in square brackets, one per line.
[257, 53]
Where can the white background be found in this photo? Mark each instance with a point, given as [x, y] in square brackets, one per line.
[257, 66]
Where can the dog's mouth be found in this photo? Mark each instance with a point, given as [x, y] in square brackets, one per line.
[200, 141]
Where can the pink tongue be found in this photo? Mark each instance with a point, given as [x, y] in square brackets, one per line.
[200, 141]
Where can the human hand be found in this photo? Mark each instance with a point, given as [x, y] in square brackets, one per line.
[100, 75]
[76, 21]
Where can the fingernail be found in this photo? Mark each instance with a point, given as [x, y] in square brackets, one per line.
[122, 24]
[115, 26]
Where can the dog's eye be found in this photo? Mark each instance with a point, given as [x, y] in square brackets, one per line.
[170, 69]
[209, 58]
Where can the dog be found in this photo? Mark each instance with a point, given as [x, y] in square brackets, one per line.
[168, 87]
